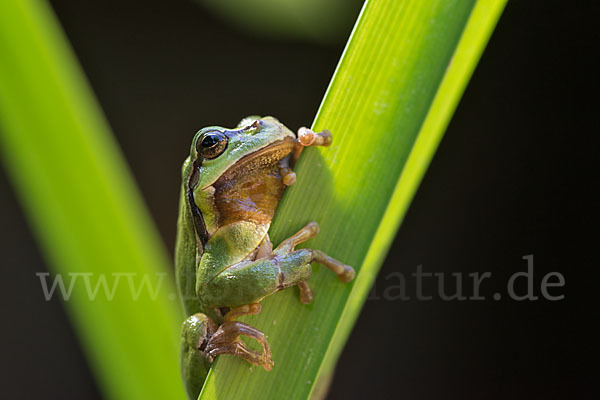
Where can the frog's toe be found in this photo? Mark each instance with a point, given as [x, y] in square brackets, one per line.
[312, 228]
[347, 275]
[289, 178]
[306, 293]
[267, 361]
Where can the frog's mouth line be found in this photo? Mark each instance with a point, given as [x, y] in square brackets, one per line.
[265, 157]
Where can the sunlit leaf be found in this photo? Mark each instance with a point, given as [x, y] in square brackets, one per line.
[389, 102]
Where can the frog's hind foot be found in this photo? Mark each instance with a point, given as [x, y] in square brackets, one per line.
[226, 340]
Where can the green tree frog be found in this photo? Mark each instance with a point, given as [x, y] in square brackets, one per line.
[233, 181]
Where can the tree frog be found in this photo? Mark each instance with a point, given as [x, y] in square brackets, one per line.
[233, 181]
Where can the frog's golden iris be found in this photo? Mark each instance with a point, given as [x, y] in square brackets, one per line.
[212, 144]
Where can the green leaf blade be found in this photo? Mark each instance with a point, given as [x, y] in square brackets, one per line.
[389, 102]
[81, 202]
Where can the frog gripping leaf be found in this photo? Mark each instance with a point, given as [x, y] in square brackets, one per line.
[232, 183]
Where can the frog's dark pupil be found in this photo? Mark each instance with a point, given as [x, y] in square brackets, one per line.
[212, 145]
[210, 141]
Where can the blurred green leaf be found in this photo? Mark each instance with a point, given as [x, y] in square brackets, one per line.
[315, 20]
[82, 203]
[393, 93]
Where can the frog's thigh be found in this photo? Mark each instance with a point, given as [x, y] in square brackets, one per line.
[246, 283]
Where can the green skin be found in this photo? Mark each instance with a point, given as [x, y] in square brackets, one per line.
[227, 245]
[215, 267]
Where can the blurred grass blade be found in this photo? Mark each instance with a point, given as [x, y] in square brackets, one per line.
[390, 100]
[82, 203]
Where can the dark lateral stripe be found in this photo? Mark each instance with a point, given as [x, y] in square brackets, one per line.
[199, 225]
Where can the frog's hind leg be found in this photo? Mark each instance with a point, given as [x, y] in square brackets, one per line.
[226, 340]
[250, 281]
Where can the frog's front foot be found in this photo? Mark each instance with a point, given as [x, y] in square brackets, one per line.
[226, 340]
[308, 137]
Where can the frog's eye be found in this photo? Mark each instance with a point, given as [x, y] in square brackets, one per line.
[212, 144]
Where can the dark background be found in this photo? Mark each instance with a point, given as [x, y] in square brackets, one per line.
[513, 176]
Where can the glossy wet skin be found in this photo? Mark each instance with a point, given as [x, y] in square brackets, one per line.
[225, 262]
